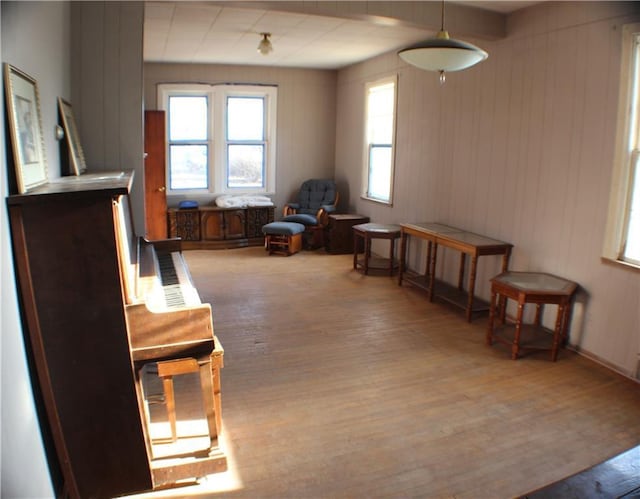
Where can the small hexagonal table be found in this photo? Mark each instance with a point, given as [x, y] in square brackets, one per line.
[539, 289]
[370, 231]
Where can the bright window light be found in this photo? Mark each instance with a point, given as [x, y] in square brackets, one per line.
[380, 135]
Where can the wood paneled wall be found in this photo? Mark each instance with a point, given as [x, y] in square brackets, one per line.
[306, 115]
[519, 148]
[106, 88]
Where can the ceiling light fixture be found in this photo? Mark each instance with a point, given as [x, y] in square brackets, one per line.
[265, 47]
[443, 53]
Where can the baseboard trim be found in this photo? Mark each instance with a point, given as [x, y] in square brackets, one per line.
[633, 376]
[603, 362]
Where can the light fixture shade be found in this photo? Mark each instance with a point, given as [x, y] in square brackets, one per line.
[265, 47]
[443, 54]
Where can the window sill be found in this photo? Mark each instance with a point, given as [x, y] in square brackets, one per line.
[378, 201]
[620, 263]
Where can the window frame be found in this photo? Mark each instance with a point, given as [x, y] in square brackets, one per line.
[627, 150]
[368, 146]
[207, 141]
[217, 95]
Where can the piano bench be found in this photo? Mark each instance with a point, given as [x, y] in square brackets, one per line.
[166, 371]
[283, 237]
[209, 368]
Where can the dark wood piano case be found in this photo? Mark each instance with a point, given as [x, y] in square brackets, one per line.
[65, 253]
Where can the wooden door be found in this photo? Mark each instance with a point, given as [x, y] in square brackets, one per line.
[155, 197]
[234, 224]
[212, 224]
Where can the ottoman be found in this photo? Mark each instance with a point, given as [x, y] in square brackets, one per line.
[283, 238]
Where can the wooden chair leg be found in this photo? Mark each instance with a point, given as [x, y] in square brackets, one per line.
[206, 385]
[170, 405]
[217, 363]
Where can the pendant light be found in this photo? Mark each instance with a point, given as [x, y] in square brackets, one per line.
[442, 53]
[265, 47]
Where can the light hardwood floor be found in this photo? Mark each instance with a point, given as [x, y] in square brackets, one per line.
[342, 385]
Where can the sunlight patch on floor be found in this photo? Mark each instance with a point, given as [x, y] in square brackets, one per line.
[207, 486]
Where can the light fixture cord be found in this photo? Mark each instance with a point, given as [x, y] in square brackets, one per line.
[442, 75]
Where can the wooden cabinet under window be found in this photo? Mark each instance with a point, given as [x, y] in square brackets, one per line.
[217, 224]
[211, 227]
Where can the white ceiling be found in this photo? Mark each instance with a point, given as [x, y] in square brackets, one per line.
[220, 33]
[498, 5]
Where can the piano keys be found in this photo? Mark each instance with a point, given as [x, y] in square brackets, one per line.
[95, 311]
[174, 287]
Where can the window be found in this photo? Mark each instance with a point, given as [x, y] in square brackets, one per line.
[188, 142]
[622, 241]
[379, 141]
[631, 247]
[220, 138]
[245, 142]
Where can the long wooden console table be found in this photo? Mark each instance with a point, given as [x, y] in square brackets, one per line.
[467, 243]
[212, 227]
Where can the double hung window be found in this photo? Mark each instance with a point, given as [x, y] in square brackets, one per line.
[245, 142]
[188, 142]
[631, 239]
[220, 138]
[379, 141]
[623, 225]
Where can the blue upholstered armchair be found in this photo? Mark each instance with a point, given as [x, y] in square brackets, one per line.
[316, 200]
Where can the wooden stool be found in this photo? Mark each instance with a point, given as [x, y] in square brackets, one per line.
[283, 237]
[170, 368]
[209, 366]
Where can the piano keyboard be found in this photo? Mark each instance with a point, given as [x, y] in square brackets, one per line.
[176, 288]
[170, 282]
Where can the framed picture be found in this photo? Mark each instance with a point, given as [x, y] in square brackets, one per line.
[25, 126]
[72, 137]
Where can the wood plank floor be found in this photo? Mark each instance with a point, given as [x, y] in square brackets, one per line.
[617, 477]
[342, 385]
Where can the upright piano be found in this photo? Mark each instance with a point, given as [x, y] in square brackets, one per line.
[95, 311]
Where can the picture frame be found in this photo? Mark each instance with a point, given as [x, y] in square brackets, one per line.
[25, 128]
[77, 162]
